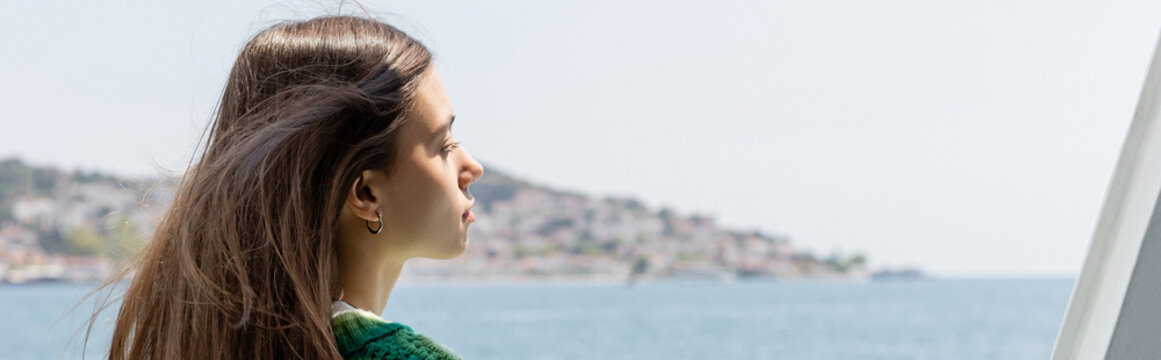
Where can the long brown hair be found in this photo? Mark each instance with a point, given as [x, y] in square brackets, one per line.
[243, 265]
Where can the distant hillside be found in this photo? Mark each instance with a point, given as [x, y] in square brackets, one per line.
[19, 179]
[528, 231]
[523, 231]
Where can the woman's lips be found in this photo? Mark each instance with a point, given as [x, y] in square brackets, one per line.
[469, 216]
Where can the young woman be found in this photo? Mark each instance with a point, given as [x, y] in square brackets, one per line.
[330, 163]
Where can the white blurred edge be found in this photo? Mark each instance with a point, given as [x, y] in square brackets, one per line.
[1100, 292]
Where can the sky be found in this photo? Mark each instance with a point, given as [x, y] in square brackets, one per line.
[966, 138]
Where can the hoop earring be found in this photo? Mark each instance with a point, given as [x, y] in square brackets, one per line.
[376, 231]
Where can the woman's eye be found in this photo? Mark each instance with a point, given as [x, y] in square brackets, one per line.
[450, 147]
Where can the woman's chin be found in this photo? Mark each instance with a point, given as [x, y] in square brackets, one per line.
[452, 252]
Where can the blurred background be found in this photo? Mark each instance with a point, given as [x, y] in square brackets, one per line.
[683, 180]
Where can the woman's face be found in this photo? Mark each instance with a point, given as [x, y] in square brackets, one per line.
[426, 210]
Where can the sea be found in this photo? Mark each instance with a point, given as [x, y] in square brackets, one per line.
[747, 319]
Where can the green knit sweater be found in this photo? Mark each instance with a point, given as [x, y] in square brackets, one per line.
[361, 334]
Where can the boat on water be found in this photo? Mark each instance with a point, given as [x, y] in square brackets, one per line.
[898, 275]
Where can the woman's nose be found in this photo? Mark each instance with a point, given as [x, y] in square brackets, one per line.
[472, 171]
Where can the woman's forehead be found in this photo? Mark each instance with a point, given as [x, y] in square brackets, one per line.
[432, 108]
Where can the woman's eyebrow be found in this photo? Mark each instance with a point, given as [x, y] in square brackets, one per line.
[443, 128]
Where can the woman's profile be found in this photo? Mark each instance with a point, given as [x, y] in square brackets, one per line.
[330, 162]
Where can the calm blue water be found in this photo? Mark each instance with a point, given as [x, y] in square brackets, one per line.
[934, 319]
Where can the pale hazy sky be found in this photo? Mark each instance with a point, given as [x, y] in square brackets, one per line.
[965, 137]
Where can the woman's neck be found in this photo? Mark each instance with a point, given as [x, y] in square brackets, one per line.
[367, 282]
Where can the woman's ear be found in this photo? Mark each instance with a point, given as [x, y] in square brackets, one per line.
[364, 195]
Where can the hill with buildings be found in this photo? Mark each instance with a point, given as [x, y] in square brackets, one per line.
[77, 226]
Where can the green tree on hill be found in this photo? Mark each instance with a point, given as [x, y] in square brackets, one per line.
[81, 241]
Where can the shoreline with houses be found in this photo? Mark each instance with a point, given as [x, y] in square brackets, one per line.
[76, 227]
